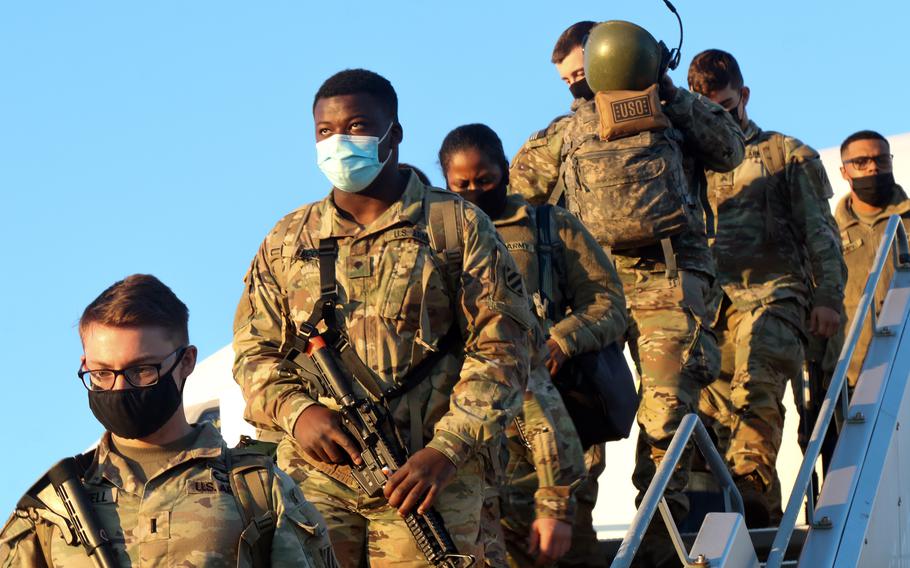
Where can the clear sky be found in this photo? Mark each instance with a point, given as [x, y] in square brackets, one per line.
[167, 137]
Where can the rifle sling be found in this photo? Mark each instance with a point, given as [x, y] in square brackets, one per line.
[324, 310]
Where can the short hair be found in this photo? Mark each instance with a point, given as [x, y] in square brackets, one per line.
[712, 70]
[478, 137]
[863, 135]
[357, 81]
[573, 36]
[417, 171]
[140, 300]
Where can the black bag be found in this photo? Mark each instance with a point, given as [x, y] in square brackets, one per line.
[597, 387]
[599, 393]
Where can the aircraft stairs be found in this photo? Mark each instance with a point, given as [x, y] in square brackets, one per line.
[859, 518]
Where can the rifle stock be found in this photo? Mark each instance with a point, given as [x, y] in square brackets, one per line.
[65, 479]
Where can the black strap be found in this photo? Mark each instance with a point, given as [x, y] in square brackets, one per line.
[324, 310]
[545, 268]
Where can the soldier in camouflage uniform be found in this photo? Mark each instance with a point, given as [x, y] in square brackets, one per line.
[416, 265]
[861, 216]
[475, 167]
[781, 273]
[162, 490]
[677, 350]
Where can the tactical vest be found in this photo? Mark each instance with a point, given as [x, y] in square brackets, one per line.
[629, 191]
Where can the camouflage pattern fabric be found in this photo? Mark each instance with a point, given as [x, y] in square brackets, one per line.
[184, 516]
[860, 242]
[677, 349]
[761, 350]
[535, 168]
[396, 303]
[777, 257]
[546, 462]
[585, 549]
[776, 238]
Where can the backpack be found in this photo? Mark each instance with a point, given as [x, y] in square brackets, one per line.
[629, 191]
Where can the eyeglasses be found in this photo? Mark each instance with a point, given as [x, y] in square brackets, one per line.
[139, 376]
[863, 162]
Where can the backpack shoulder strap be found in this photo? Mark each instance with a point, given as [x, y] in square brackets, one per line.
[545, 264]
[251, 477]
[773, 153]
[445, 221]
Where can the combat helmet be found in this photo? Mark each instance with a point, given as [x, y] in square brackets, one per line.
[622, 56]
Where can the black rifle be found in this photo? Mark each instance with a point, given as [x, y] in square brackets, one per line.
[381, 449]
[64, 479]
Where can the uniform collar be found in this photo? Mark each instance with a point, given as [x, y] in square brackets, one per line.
[846, 217]
[112, 467]
[408, 209]
[751, 132]
[516, 210]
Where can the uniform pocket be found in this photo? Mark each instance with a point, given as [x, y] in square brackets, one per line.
[313, 536]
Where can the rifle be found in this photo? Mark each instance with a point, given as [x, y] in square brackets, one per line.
[373, 430]
[71, 510]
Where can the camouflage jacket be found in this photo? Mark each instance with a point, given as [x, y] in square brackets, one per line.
[860, 243]
[710, 140]
[535, 168]
[185, 515]
[588, 292]
[396, 302]
[776, 237]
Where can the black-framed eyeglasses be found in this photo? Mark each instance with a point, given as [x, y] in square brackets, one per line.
[138, 376]
[863, 162]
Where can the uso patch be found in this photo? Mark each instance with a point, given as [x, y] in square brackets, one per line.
[632, 108]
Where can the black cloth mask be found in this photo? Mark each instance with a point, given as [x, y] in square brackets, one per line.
[137, 412]
[876, 190]
[493, 201]
[581, 90]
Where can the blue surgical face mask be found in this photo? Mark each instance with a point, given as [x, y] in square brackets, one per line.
[351, 162]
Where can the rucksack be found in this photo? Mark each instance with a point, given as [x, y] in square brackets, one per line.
[629, 191]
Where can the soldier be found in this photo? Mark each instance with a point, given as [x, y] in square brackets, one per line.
[781, 276]
[535, 168]
[665, 287]
[538, 508]
[162, 491]
[420, 276]
[861, 216]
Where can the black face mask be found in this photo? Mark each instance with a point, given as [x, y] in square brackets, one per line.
[581, 90]
[137, 412]
[734, 112]
[493, 201]
[876, 190]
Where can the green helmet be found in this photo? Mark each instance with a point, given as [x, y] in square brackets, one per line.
[621, 56]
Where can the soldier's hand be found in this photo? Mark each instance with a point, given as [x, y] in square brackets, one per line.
[666, 89]
[555, 357]
[320, 435]
[550, 538]
[824, 322]
[421, 478]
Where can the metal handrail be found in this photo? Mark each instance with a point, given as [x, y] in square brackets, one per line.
[654, 497]
[838, 386]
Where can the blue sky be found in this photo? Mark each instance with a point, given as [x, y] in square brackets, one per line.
[168, 137]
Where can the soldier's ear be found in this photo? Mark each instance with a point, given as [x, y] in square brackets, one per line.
[188, 363]
[843, 174]
[396, 134]
[744, 93]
